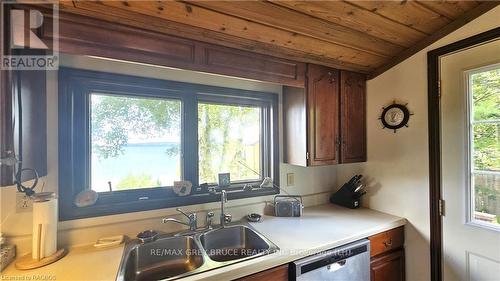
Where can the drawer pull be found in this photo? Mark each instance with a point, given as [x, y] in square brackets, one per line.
[388, 244]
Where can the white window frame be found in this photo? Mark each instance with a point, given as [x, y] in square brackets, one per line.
[470, 200]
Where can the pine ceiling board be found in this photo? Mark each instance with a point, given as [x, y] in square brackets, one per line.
[351, 16]
[293, 21]
[98, 11]
[467, 17]
[214, 21]
[450, 9]
[409, 13]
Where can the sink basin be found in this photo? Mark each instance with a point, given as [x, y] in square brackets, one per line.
[171, 256]
[233, 243]
[163, 258]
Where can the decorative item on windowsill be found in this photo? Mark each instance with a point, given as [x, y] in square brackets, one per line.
[349, 195]
[224, 180]
[86, 198]
[44, 241]
[182, 188]
[395, 116]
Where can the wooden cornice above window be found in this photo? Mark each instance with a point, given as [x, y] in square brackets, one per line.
[364, 36]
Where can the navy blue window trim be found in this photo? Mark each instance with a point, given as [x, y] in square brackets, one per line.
[75, 87]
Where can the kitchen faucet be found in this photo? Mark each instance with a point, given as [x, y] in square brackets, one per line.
[224, 218]
[193, 222]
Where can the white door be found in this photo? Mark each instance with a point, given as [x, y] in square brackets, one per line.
[470, 115]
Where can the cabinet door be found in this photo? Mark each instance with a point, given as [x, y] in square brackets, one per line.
[353, 117]
[323, 113]
[388, 267]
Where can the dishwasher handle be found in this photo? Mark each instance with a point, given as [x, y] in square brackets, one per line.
[336, 266]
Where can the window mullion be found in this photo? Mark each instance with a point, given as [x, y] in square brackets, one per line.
[190, 139]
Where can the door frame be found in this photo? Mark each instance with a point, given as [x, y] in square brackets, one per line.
[434, 127]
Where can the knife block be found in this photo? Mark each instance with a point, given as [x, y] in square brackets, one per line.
[346, 197]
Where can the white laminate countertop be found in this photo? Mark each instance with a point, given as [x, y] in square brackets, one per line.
[320, 228]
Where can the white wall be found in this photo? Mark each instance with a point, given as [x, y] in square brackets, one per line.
[315, 183]
[398, 166]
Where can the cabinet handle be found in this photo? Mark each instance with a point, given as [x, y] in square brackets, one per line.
[331, 78]
[388, 244]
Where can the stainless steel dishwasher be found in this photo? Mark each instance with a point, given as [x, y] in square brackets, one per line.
[350, 262]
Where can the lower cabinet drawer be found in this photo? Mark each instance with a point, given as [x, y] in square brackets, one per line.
[386, 241]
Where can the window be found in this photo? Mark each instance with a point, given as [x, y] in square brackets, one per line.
[131, 138]
[135, 142]
[484, 132]
[229, 139]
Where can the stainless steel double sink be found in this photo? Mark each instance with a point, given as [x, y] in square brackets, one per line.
[174, 256]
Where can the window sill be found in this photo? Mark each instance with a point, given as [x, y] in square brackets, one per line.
[104, 209]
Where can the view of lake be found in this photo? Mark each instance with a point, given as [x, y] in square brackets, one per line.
[147, 163]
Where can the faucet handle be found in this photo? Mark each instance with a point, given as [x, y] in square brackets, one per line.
[189, 216]
[228, 218]
[209, 217]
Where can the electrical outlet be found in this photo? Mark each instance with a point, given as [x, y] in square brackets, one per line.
[23, 203]
[290, 179]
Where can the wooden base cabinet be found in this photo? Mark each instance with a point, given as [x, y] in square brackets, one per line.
[388, 267]
[387, 256]
[325, 122]
[279, 273]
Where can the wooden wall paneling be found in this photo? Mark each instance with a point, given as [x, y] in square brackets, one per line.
[323, 119]
[86, 36]
[295, 126]
[214, 21]
[293, 21]
[409, 13]
[348, 15]
[353, 117]
[129, 18]
[245, 64]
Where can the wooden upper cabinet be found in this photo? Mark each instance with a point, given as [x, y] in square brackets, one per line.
[325, 122]
[353, 117]
[323, 108]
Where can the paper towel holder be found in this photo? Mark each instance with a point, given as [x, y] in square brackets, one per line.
[27, 262]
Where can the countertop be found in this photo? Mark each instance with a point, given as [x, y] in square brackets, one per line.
[320, 228]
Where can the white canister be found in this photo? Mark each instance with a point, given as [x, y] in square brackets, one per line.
[44, 241]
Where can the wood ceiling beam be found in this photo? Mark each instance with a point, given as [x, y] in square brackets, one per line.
[456, 24]
[283, 18]
[409, 13]
[98, 11]
[348, 15]
[222, 23]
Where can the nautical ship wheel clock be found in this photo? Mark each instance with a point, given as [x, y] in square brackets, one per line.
[395, 116]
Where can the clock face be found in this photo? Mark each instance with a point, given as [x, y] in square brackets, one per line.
[394, 116]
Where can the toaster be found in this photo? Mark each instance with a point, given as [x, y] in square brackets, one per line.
[288, 205]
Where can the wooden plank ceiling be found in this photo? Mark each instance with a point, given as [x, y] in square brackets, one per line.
[364, 36]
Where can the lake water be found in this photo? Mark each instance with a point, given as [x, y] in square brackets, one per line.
[137, 161]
